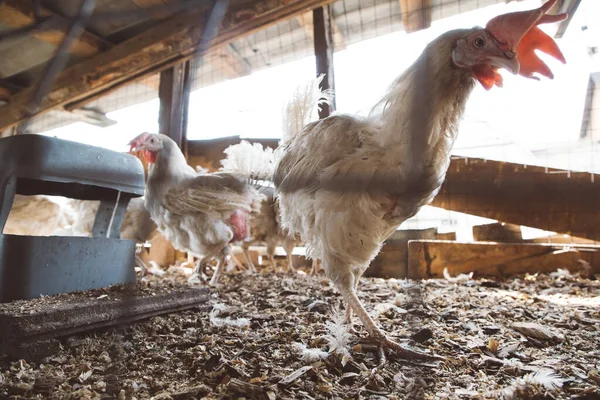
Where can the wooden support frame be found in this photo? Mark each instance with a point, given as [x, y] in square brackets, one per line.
[174, 95]
[323, 39]
[166, 44]
[416, 14]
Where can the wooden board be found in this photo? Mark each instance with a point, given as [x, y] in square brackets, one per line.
[428, 258]
[392, 261]
[549, 199]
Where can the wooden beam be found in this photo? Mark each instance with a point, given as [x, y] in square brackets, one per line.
[549, 199]
[165, 44]
[428, 258]
[20, 14]
[497, 232]
[174, 95]
[416, 14]
[306, 22]
[324, 54]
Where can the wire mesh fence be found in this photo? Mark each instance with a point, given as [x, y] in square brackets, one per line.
[240, 89]
[519, 152]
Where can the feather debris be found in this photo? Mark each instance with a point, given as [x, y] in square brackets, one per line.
[533, 385]
[338, 336]
[461, 278]
[310, 354]
[215, 320]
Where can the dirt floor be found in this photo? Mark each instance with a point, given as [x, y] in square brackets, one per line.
[269, 336]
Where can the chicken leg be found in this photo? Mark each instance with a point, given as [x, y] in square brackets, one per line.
[195, 277]
[245, 247]
[316, 266]
[346, 283]
[237, 262]
[288, 246]
[220, 266]
[271, 246]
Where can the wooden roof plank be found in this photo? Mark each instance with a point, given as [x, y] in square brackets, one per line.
[171, 41]
[20, 14]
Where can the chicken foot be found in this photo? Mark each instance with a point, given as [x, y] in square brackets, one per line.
[375, 332]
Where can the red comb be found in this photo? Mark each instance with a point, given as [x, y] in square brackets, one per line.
[138, 140]
[518, 32]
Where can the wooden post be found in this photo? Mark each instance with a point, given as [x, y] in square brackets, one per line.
[174, 94]
[323, 39]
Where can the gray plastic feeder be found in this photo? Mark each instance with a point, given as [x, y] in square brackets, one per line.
[31, 266]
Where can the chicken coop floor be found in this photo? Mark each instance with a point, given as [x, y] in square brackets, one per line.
[535, 336]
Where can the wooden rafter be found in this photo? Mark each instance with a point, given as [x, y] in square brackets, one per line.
[164, 45]
[149, 4]
[416, 14]
[20, 14]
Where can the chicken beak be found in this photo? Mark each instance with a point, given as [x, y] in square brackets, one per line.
[511, 64]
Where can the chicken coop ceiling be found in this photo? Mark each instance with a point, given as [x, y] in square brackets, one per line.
[125, 40]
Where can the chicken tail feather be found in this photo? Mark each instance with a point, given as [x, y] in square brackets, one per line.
[252, 161]
[303, 105]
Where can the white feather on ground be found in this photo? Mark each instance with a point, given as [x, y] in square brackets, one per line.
[310, 355]
[215, 320]
[338, 335]
[533, 385]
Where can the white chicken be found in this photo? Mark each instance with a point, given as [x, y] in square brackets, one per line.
[346, 183]
[200, 214]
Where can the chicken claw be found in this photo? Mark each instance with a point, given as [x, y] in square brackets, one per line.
[406, 352]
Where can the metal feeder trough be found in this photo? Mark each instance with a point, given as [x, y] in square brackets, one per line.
[31, 266]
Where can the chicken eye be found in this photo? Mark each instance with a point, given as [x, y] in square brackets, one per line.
[479, 42]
